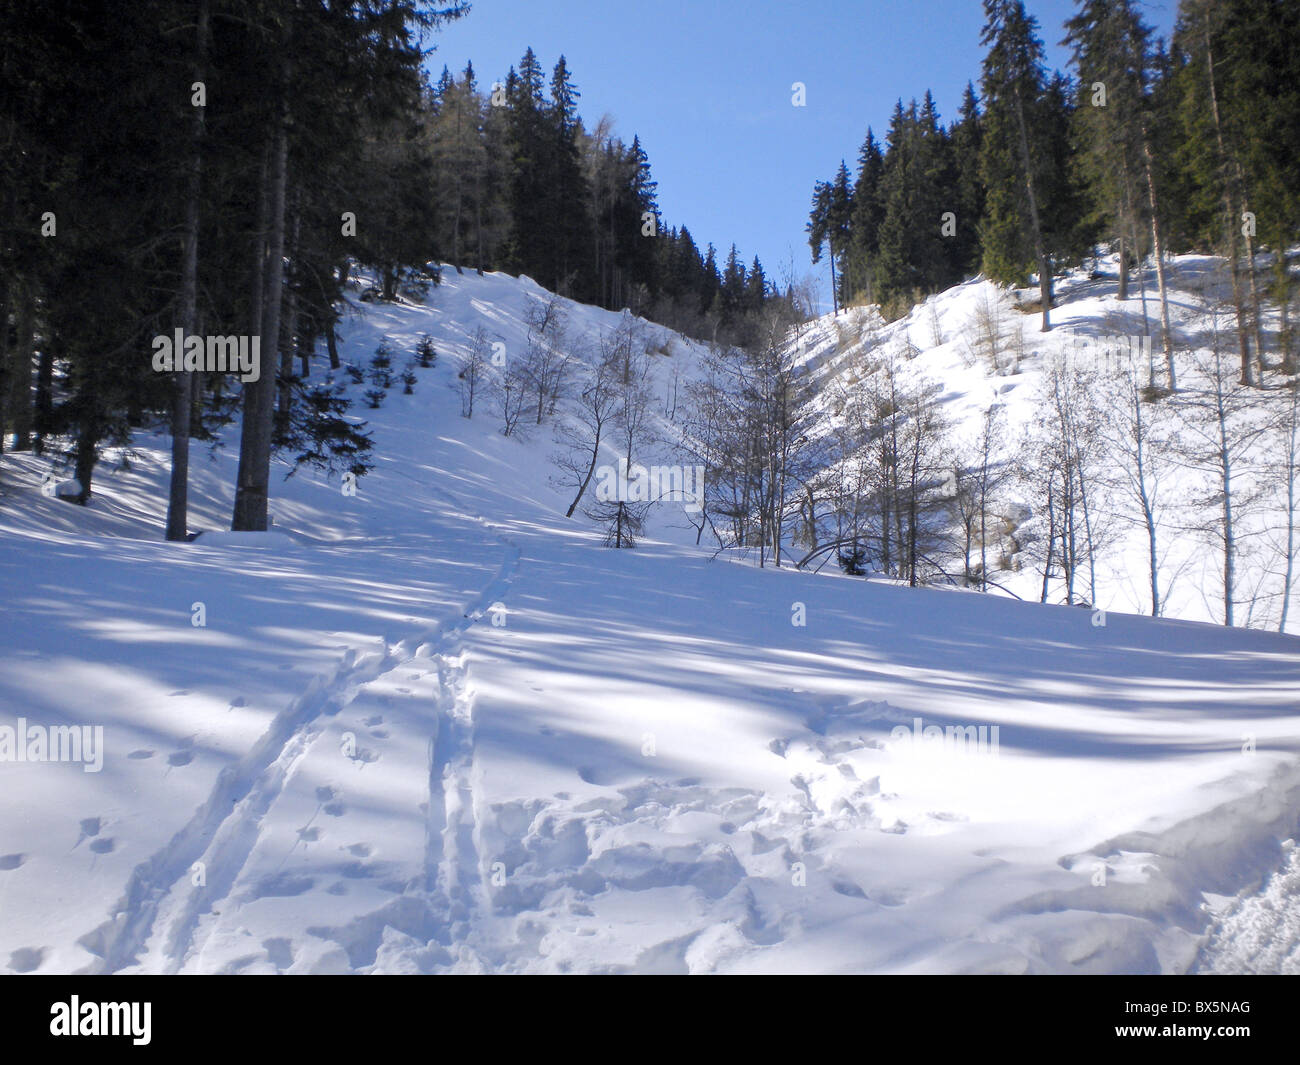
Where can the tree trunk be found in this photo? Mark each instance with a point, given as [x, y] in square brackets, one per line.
[1242, 343]
[7, 372]
[1051, 538]
[252, 491]
[1229, 541]
[1044, 265]
[43, 409]
[1123, 270]
[1254, 286]
[182, 400]
[289, 332]
[1157, 250]
[17, 397]
[1292, 427]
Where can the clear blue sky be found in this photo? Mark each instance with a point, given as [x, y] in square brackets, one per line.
[706, 85]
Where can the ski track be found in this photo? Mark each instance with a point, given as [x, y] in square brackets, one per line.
[157, 900]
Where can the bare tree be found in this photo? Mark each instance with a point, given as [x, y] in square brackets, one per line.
[512, 391]
[1290, 451]
[546, 357]
[995, 336]
[1136, 447]
[977, 479]
[1216, 441]
[472, 373]
[1063, 448]
[581, 435]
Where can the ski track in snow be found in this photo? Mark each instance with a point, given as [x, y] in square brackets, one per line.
[162, 899]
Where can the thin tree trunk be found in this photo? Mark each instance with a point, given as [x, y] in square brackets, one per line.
[289, 331]
[1123, 270]
[1229, 541]
[1087, 532]
[1157, 249]
[1242, 342]
[7, 372]
[1051, 538]
[1044, 267]
[1142, 283]
[1292, 428]
[43, 404]
[1254, 287]
[20, 403]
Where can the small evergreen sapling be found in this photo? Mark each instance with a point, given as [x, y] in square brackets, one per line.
[425, 354]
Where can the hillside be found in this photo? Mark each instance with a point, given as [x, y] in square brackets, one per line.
[436, 726]
[971, 350]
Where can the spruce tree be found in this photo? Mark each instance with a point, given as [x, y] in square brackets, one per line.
[1014, 159]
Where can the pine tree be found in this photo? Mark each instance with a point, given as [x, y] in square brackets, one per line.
[1112, 53]
[1014, 159]
[965, 140]
[868, 214]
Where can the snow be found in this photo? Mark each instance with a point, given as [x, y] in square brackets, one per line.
[434, 726]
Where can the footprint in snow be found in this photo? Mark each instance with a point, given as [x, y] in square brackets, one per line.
[279, 951]
[26, 959]
[180, 758]
[103, 846]
[9, 862]
[142, 753]
[374, 719]
[90, 827]
[361, 850]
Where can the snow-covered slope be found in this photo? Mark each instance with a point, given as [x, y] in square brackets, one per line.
[435, 726]
[945, 347]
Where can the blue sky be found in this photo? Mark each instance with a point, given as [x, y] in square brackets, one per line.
[707, 86]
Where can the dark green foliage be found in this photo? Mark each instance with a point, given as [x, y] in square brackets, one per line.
[323, 436]
[425, 355]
